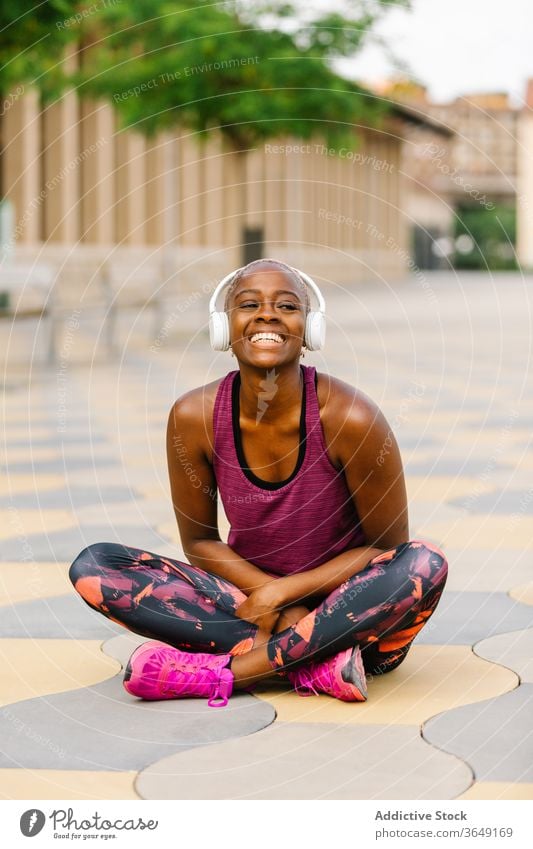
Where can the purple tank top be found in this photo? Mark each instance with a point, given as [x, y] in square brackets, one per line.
[291, 525]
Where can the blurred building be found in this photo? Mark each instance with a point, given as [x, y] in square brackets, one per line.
[83, 190]
[478, 166]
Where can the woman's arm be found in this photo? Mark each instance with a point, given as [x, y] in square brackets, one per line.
[194, 497]
[374, 474]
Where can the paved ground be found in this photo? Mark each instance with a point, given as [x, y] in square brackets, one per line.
[449, 361]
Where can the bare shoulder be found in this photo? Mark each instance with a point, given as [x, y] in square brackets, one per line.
[346, 413]
[192, 415]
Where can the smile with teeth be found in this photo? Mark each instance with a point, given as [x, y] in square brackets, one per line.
[267, 337]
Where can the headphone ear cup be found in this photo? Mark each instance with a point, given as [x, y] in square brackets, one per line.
[219, 331]
[315, 330]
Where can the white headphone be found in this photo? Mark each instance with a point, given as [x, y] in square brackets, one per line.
[315, 324]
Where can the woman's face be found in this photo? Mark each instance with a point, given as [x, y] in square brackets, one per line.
[267, 314]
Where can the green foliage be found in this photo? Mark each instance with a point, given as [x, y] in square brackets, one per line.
[33, 37]
[254, 69]
[493, 232]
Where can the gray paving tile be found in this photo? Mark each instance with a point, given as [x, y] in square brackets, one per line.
[451, 466]
[494, 737]
[310, 761]
[104, 728]
[514, 650]
[67, 544]
[70, 498]
[57, 440]
[488, 570]
[464, 618]
[61, 464]
[59, 617]
[501, 501]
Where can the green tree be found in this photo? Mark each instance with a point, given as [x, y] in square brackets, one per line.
[488, 236]
[252, 69]
[32, 40]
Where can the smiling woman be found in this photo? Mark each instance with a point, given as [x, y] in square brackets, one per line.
[318, 581]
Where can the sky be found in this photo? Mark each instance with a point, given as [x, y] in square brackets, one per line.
[455, 47]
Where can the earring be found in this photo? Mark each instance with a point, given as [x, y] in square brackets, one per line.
[302, 352]
[232, 354]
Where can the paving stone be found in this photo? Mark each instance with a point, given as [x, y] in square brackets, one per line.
[498, 790]
[104, 728]
[73, 497]
[310, 761]
[494, 737]
[59, 617]
[60, 465]
[464, 618]
[523, 593]
[43, 667]
[29, 581]
[66, 784]
[504, 501]
[487, 570]
[450, 466]
[430, 680]
[67, 544]
[514, 650]
[483, 532]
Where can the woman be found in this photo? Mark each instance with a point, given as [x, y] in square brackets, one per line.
[318, 582]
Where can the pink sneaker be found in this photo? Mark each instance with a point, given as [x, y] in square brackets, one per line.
[159, 671]
[341, 676]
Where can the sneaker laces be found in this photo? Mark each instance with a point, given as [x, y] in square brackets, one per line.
[208, 678]
[304, 680]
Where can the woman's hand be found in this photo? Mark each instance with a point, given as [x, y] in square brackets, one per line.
[263, 606]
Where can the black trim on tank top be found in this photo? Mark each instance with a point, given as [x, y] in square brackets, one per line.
[235, 414]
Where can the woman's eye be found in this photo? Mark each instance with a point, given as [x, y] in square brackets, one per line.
[289, 306]
[248, 304]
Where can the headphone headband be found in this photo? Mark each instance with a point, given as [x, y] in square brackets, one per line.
[305, 277]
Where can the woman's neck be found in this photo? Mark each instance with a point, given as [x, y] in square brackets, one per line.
[273, 393]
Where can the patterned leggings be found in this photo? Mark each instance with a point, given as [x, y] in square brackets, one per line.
[382, 608]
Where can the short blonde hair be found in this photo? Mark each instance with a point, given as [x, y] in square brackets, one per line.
[242, 272]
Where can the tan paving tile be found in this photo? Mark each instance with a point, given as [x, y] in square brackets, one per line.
[13, 484]
[66, 784]
[27, 581]
[513, 650]
[498, 790]
[441, 488]
[431, 679]
[485, 570]
[28, 453]
[483, 532]
[310, 761]
[16, 523]
[523, 593]
[41, 667]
